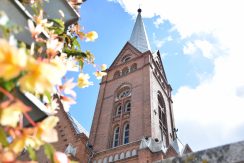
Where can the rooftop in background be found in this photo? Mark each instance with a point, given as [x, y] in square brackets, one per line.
[77, 126]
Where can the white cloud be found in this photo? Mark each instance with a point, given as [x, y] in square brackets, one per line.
[169, 38]
[158, 42]
[158, 21]
[205, 47]
[218, 99]
[189, 48]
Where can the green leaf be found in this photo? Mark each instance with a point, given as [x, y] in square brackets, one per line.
[49, 96]
[81, 64]
[3, 137]
[90, 56]
[49, 152]
[58, 26]
[75, 43]
[73, 161]
[74, 53]
[32, 153]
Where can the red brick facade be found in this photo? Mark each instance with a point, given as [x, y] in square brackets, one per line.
[146, 83]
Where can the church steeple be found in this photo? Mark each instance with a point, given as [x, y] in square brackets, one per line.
[138, 36]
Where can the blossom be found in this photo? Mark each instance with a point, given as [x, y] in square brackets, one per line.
[12, 60]
[7, 156]
[42, 22]
[67, 101]
[69, 63]
[60, 157]
[18, 144]
[3, 18]
[91, 36]
[52, 106]
[67, 87]
[83, 80]
[41, 76]
[46, 129]
[53, 47]
[34, 30]
[99, 74]
[103, 67]
[10, 112]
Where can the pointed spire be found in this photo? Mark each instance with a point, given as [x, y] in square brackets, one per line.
[138, 36]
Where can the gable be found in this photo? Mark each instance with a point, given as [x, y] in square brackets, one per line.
[128, 52]
[187, 149]
[158, 61]
[171, 152]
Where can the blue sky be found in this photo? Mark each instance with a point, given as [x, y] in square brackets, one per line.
[200, 44]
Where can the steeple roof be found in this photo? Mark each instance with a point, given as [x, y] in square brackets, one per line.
[138, 36]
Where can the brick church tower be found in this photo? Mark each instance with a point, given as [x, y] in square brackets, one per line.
[133, 119]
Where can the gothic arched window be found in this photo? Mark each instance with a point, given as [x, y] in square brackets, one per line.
[116, 74]
[118, 110]
[124, 92]
[127, 106]
[126, 58]
[125, 71]
[133, 67]
[116, 137]
[126, 133]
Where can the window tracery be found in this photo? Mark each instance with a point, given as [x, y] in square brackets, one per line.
[124, 92]
[116, 74]
[126, 58]
[125, 71]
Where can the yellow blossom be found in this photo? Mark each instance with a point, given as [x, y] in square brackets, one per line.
[83, 80]
[33, 141]
[12, 60]
[53, 47]
[99, 74]
[91, 36]
[103, 67]
[42, 76]
[10, 113]
[18, 144]
[47, 131]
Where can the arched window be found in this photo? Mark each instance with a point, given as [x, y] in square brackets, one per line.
[116, 137]
[126, 134]
[126, 58]
[127, 106]
[162, 118]
[125, 71]
[124, 92]
[133, 67]
[116, 74]
[118, 110]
